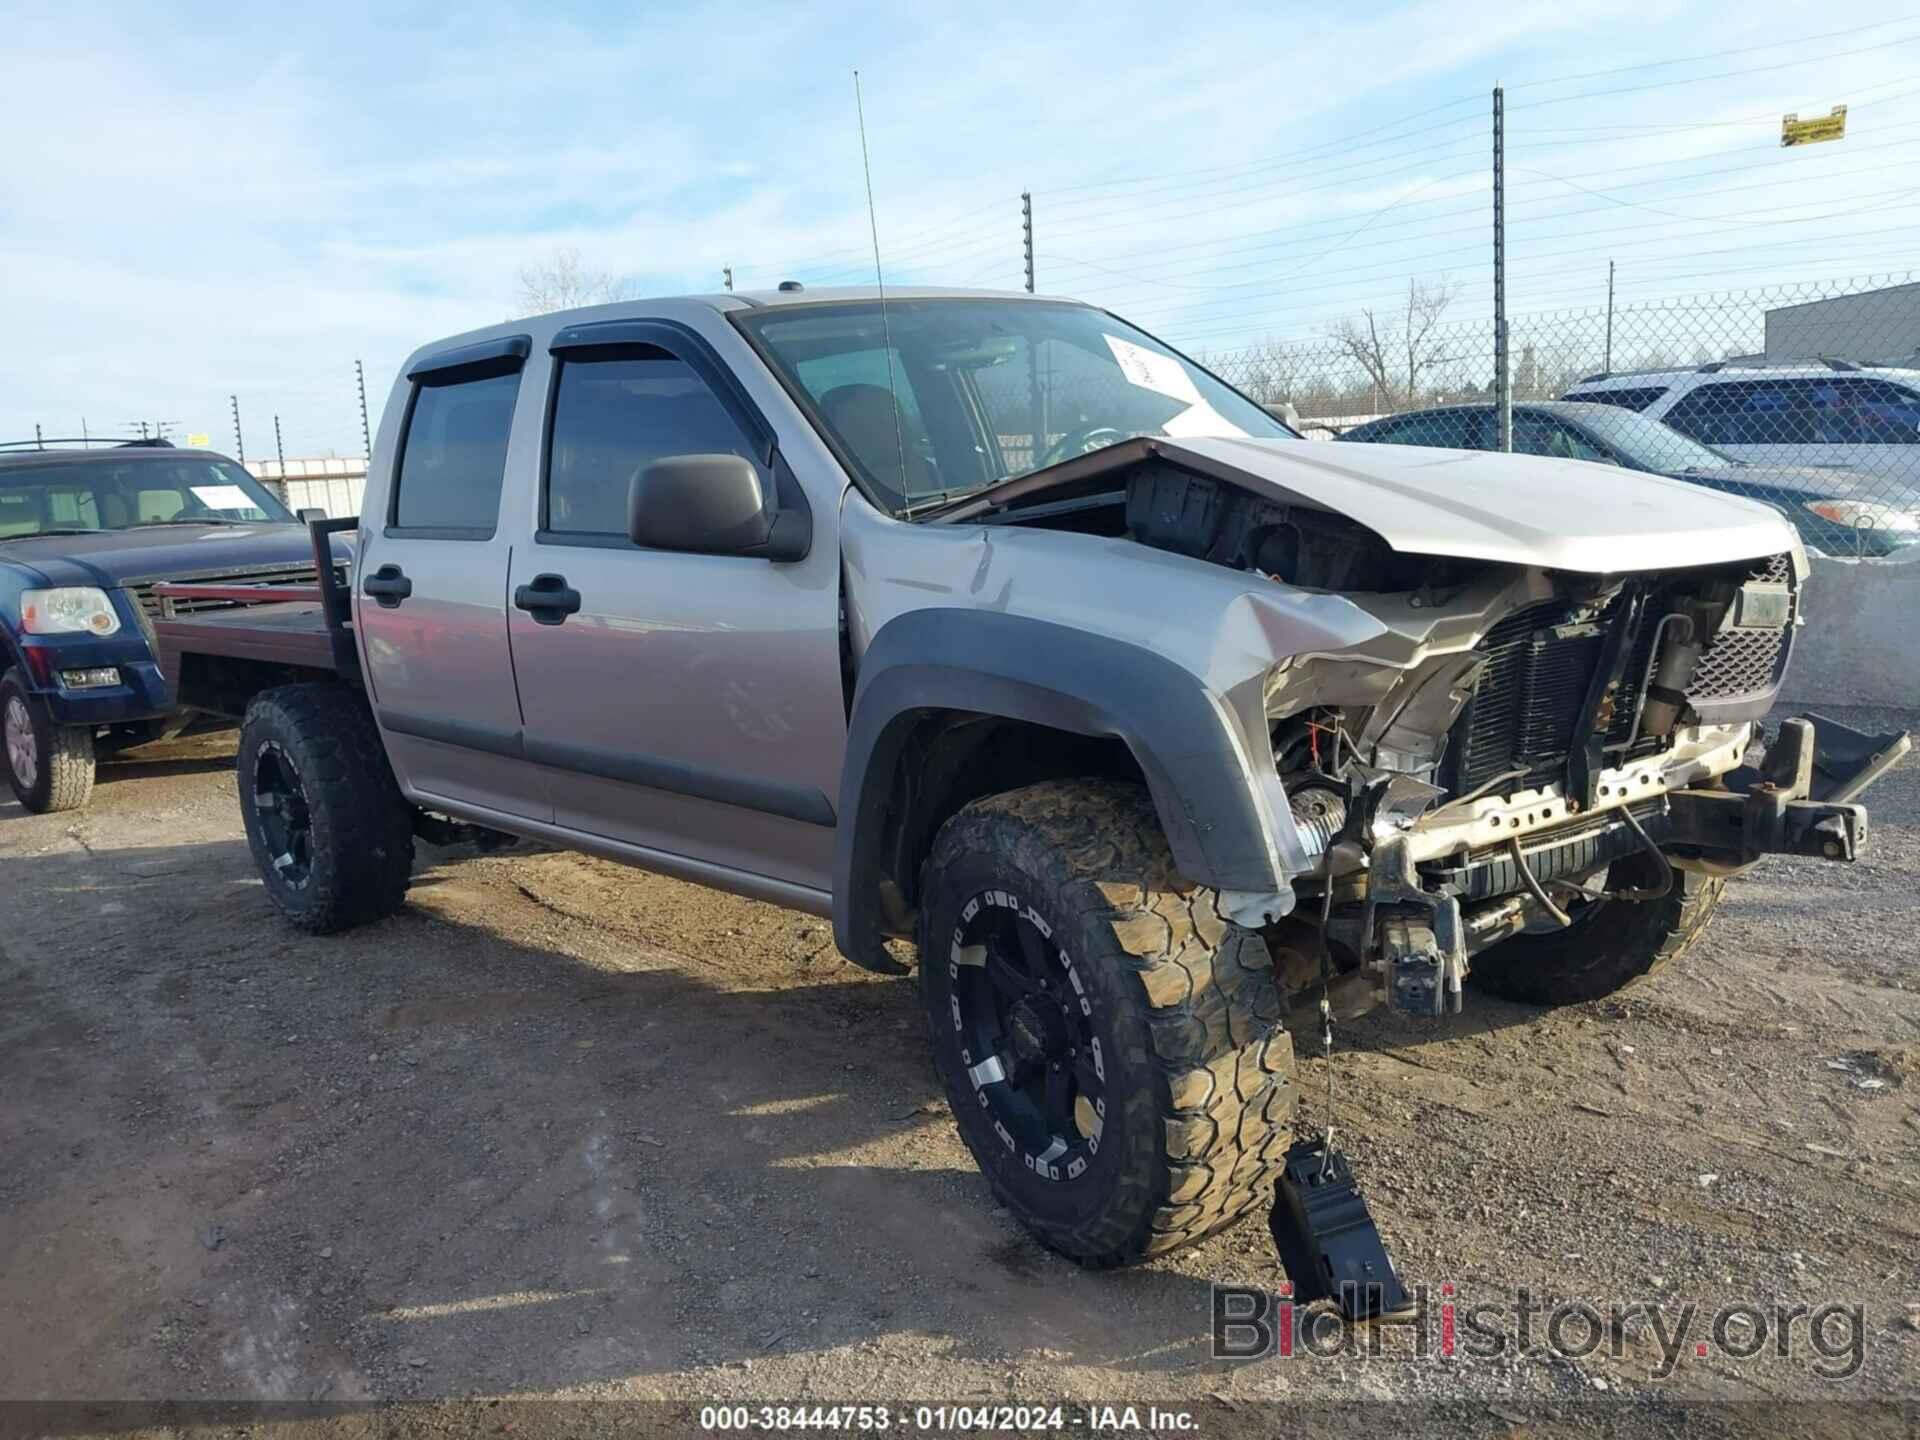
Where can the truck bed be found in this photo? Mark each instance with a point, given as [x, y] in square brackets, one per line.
[279, 633]
[258, 635]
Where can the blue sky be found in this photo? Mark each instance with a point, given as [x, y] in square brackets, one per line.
[198, 201]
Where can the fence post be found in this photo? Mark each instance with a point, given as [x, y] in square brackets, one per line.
[1037, 396]
[1607, 365]
[1026, 233]
[1502, 384]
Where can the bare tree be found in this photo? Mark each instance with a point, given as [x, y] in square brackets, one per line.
[1267, 371]
[561, 282]
[1380, 345]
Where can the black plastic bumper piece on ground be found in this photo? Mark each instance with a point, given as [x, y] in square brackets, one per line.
[1327, 1239]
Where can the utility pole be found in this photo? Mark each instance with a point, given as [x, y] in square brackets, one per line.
[1608, 365]
[86, 440]
[38, 443]
[239, 441]
[1026, 233]
[726, 276]
[366, 438]
[1502, 381]
[279, 449]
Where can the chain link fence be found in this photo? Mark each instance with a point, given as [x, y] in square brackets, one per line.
[1806, 397]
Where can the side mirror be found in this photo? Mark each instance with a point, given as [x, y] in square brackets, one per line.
[707, 505]
[310, 513]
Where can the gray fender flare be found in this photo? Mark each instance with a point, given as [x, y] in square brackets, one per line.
[1018, 668]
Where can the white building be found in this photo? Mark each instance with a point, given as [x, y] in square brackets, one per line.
[1876, 325]
[334, 485]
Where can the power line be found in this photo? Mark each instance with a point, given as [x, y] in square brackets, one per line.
[1528, 220]
[1710, 55]
[1289, 159]
[1722, 75]
[1295, 158]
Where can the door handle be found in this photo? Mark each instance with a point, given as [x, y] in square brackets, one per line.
[548, 599]
[387, 585]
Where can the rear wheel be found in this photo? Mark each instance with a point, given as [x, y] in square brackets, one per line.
[1610, 944]
[49, 766]
[329, 829]
[1110, 1043]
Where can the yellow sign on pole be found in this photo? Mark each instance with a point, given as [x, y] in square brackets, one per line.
[199, 442]
[1795, 131]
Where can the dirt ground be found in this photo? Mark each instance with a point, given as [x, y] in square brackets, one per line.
[564, 1129]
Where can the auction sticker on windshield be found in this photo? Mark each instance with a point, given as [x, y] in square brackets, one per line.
[221, 497]
[1161, 374]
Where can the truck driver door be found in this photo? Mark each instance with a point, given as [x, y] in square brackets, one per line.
[686, 704]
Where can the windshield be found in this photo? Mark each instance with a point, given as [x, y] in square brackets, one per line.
[1650, 443]
[124, 494]
[976, 379]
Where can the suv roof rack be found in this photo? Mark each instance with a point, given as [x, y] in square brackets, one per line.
[1832, 362]
[1630, 374]
[85, 442]
[1714, 367]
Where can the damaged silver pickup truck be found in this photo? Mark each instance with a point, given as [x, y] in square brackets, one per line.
[994, 628]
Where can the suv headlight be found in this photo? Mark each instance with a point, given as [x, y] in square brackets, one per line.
[69, 610]
[1863, 515]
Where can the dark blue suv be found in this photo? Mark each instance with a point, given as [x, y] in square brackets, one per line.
[85, 534]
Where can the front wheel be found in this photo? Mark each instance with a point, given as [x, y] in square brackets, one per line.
[49, 766]
[1111, 1044]
[1610, 944]
[329, 829]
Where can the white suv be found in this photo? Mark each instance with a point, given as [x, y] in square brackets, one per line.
[1832, 413]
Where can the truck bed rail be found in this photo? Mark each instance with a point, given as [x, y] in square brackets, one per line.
[306, 626]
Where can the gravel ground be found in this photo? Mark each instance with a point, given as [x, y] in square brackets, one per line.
[564, 1129]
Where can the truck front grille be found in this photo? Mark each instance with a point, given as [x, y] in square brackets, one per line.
[1739, 662]
[1743, 662]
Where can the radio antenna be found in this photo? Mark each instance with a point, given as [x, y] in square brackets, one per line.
[880, 282]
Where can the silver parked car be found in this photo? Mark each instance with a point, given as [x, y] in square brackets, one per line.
[991, 624]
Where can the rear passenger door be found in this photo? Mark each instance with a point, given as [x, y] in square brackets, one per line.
[683, 704]
[433, 580]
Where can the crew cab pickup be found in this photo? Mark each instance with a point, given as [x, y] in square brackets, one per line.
[991, 624]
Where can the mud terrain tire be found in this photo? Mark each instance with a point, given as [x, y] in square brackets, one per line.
[1611, 944]
[1195, 1075]
[329, 829]
[60, 775]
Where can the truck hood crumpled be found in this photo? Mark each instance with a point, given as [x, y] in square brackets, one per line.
[1525, 510]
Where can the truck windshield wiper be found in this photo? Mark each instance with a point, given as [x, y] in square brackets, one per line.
[197, 520]
[72, 530]
[934, 499]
